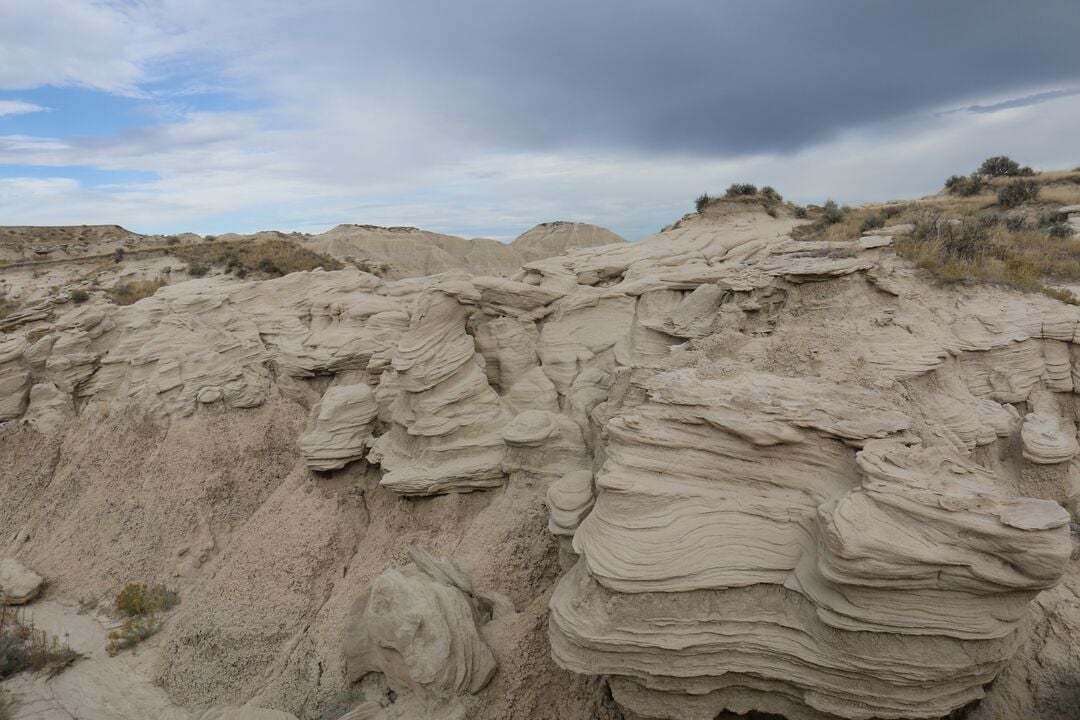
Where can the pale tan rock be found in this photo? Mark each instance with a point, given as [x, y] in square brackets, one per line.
[420, 630]
[446, 419]
[339, 427]
[244, 713]
[556, 238]
[15, 380]
[50, 408]
[673, 535]
[18, 584]
[1045, 441]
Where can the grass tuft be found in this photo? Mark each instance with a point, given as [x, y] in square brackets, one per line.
[140, 605]
[138, 599]
[23, 647]
[126, 293]
[272, 258]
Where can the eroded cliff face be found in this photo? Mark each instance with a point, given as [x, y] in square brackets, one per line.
[716, 470]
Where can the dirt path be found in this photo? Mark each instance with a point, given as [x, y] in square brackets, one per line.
[97, 687]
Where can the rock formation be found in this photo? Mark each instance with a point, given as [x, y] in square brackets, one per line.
[418, 626]
[717, 470]
[339, 427]
[18, 585]
[399, 252]
[446, 419]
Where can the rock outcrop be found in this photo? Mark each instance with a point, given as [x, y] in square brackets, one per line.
[339, 427]
[446, 419]
[809, 578]
[418, 625]
[784, 477]
[18, 584]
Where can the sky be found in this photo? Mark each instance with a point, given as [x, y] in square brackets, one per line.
[482, 118]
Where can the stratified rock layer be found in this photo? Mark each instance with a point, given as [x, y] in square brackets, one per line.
[418, 626]
[339, 427]
[789, 477]
[744, 553]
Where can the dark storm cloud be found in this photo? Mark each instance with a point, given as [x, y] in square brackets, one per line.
[697, 76]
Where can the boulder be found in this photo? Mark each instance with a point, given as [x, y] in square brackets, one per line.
[18, 584]
[419, 626]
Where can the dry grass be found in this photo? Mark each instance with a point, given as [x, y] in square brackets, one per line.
[968, 251]
[23, 647]
[976, 239]
[8, 306]
[272, 258]
[854, 222]
[139, 604]
[126, 293]
[139, 599]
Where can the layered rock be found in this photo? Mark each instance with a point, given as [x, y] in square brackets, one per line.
[446, 419]
[339, 427]
[15, 380]
[782, 478]
[744, 554]
[418, 625]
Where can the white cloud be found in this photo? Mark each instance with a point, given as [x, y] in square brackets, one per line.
[335, 140]
[18, 107]
[217, 167]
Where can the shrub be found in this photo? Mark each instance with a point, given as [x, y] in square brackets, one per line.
[740, 190]
[964, 185]
[172, 240]
[1018, 192]
[770, 194]
[800, 212]
[273, 257]
[269, 266]
[1060, 230]
[139, 604]
[24, 647]
[197, 270]
[1000, 166]
[137, 599]
[132, 632]
[702, 202]
[79, 296]
[873, 222]
[832, 213]
[1063, 295]
[964, 241]
[1015, 223]
[127, 293]
[118, 255]
[210, 238]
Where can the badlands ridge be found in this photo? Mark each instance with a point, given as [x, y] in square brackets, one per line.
[715, 471]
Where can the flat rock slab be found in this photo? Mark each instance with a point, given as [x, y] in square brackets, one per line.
[18, 584]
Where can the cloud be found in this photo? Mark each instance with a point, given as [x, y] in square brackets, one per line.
[482, 117]
[18, 107]
[69, 42]
[1016, 102]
